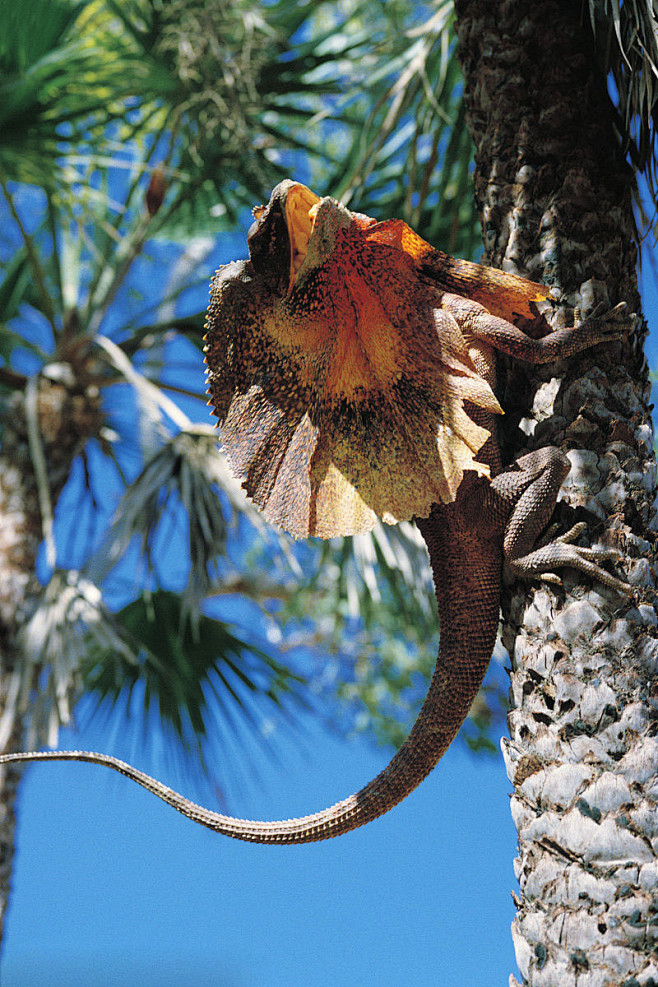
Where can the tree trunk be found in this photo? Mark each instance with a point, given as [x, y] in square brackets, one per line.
[554, 197]
[68, 414]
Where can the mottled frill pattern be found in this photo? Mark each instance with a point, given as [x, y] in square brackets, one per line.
[342, 400]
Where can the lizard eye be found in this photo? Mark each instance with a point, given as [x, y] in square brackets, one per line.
[279, 236]
[269, 246]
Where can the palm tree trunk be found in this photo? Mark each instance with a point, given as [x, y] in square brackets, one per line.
[67, 416]
[554, 197]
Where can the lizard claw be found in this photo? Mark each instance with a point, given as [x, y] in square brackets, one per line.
[614, 324]
[551, 534]
[587, 560]
[573, 533]
[560, 552]
[598, 312]
[614, 313]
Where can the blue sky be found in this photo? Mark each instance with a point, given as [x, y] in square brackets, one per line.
[112, 887]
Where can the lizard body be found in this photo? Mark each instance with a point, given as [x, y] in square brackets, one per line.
[331, 419]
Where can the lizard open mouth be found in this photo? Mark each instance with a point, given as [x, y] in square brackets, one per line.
[301, 210]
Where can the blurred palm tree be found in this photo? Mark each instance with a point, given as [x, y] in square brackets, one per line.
[136, 134]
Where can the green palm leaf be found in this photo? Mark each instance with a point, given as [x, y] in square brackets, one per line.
[63, 74]
[192, 673]
[627, 43]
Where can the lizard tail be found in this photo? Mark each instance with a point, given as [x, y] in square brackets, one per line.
[464, 654]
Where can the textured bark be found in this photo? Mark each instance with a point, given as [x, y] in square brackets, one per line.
[554, 197]
[69, 413]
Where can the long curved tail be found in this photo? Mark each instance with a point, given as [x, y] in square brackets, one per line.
[467, 589]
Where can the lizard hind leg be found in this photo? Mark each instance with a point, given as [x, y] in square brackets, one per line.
[530, 489]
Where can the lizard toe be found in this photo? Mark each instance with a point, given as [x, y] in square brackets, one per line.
[573, 533]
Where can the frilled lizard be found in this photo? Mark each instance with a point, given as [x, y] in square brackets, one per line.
[353, 368]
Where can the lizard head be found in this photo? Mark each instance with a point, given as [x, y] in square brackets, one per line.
[293, 234]
[338, 379]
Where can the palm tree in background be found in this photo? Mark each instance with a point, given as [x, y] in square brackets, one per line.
[130, 124]
[129, 128]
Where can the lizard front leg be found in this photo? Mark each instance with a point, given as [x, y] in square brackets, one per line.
[481, 326]
[530, 488]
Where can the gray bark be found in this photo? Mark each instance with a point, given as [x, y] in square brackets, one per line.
[554, 197]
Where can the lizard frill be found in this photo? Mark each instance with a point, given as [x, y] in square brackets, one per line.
[340, 381]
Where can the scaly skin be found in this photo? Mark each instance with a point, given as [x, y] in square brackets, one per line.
[489, 515]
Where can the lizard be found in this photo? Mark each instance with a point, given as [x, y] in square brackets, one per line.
[352, 368]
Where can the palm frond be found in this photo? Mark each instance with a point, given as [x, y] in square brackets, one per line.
[626, 36]
[230, 65]
[59, 63]
[186, 474]
[357, 577]
[409, 155]
[373, 622]
[376, 626]
[197, 676]
[69, 620]
[14, 287]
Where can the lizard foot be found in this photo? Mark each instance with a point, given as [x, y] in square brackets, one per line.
[560, 552]
[571, 535]
[611, 325]
[532, 484]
